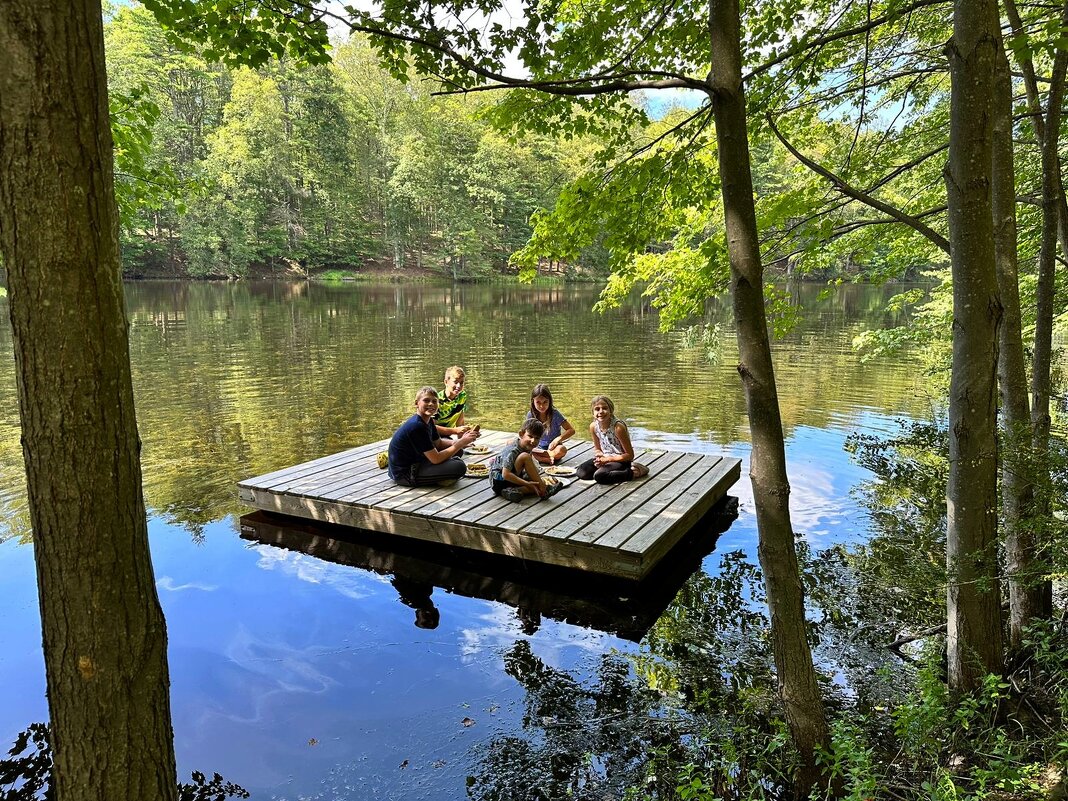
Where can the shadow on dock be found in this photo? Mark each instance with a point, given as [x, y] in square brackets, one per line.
[614, 605]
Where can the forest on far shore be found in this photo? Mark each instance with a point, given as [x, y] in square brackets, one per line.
[341, 170]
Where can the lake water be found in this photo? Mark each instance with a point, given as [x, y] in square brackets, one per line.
[303, 678]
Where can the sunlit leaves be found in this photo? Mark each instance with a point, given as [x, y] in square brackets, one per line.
[138, 184]
[240, 32]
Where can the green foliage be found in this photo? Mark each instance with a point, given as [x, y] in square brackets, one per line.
[292, 168]
[336, 275]
[926, 330]
[849, 763]
[245, 33]
[978, 746]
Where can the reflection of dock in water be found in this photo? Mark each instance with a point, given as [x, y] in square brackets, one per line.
[620, 530]
[617, 606]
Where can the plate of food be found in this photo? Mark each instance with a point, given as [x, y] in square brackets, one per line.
[559, 470]
[477, 469]
[477, 450]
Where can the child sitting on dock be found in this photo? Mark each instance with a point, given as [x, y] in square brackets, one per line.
[551, 448]
[613, 460]
[418, 456]
[451, 404]
[514, 473]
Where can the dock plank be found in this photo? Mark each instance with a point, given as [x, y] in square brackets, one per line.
[643, 494]
[567, 516]
[614, 530]
[686, 509]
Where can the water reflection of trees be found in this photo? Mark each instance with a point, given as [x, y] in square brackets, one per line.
[584, 741]
[697, 702]
[700, 694]
[238, 379]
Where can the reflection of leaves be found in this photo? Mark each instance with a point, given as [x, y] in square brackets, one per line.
[215, 789]
[703, 694]
[27, 775]
[585, 742]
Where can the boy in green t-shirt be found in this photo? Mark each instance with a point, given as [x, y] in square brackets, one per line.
[453, 399]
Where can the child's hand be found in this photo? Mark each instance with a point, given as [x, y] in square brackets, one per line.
[467, 438]
[543, 491]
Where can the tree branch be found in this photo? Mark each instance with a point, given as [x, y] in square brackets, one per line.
[863, 197]
[566, 87]
[807, 45]
[595, 84]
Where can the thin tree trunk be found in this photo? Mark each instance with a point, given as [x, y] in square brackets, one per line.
[1052, 202]
[104, 636]
[1023, 566]
[1040, 382]
[798, 686]
[973, 607]
[1034, 105]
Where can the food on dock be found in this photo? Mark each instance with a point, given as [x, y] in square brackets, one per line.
[383, 459]
[557, 470]
[477, 469]
[550, 481]
[477, 450]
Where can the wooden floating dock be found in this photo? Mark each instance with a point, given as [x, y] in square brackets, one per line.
[620, 530]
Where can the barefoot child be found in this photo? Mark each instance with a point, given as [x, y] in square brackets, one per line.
[613, 460]
[514, 473]
[418, 456]
[550, 449]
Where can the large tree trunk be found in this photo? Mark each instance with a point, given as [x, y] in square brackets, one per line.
[974, 613]
[767, 466]
[105, 643]
[1024, 568]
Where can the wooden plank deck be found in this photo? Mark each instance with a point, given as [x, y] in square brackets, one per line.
[621, 530]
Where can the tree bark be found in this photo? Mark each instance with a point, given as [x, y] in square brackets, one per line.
[104, 636]
[797, 682]
[1030, 81]
[1051, 172]
[1024, 568]
[973, 613]
[1045, 294]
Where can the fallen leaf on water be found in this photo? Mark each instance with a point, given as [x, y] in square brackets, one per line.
[404, 764]
[313, 741]
[467, 722]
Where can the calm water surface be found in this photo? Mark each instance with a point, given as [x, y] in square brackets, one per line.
[299, 677]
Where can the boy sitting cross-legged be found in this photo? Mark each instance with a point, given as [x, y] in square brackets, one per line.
[514, 472]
